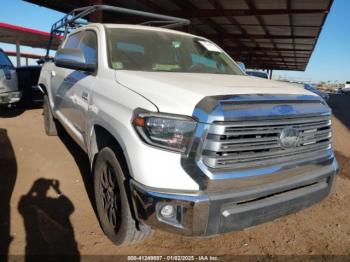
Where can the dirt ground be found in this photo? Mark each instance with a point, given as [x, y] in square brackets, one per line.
[27, 154]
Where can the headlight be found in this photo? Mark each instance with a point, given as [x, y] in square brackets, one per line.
[166, 131]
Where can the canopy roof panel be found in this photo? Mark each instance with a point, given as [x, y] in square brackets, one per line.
[264, 34]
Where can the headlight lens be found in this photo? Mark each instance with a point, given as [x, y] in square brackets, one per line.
[166, 131]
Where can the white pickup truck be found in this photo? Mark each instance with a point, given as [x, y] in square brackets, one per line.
[179, 138]
[9, 93]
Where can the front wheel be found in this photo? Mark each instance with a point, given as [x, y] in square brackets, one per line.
[112, 203]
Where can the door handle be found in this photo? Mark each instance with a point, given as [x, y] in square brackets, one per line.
[85, 96]
[53, 73]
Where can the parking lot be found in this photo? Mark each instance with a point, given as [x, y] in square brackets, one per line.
[30, 160]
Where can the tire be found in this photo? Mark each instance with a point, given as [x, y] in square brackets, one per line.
[112, 205]
[50, 124]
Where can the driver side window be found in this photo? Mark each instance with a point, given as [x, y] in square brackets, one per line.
[88, 45]
[86, 41]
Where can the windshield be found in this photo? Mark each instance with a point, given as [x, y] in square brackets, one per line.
[4, 60]
[148, 50]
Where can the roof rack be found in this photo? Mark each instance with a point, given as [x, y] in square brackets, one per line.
[71, 21]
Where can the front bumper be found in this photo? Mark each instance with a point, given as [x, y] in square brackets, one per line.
[10, 97]
[204, 214]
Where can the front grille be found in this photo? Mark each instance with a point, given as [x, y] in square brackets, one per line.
[256, 143]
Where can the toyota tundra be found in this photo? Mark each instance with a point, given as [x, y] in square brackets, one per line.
[179, 138]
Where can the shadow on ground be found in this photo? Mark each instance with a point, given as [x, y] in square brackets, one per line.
[11, 112]
[8, 174]
[82, 161]
[49, 232]
[18, 110]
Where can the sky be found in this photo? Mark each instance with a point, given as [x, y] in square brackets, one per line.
[330, 60]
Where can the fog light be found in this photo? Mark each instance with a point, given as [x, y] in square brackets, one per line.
[167, 211]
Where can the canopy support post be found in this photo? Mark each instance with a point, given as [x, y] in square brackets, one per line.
[18, 53]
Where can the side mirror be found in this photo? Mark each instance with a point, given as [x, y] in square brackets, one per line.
[73, 58]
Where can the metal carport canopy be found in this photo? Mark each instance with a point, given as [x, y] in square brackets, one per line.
[18, 35]
[25, 55]
[13, 34]
[264, 34]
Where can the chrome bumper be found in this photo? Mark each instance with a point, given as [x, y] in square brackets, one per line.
[10, 97]
[209, 213]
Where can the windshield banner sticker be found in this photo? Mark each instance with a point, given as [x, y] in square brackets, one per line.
[210, 46]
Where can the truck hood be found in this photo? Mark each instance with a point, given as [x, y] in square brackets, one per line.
[179, 93]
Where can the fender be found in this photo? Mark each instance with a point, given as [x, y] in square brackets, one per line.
[91, 141]
[44, 82]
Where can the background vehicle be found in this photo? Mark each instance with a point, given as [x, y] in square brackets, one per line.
[9, 93]
[345, 89]
[342, 90]
[312, 89]
[28, 77]
[260, 74]
[179, 138]
[242, 66]
[347, 85]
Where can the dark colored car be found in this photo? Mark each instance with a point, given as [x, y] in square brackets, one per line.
[260, 74]
[28, 84]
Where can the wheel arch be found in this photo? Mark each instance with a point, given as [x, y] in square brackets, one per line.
[43, 88]
[102, 137]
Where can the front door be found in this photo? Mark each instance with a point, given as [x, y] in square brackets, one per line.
[73, 87]
[83, 82]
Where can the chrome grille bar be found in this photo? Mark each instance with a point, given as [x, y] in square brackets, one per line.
[251, 143]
